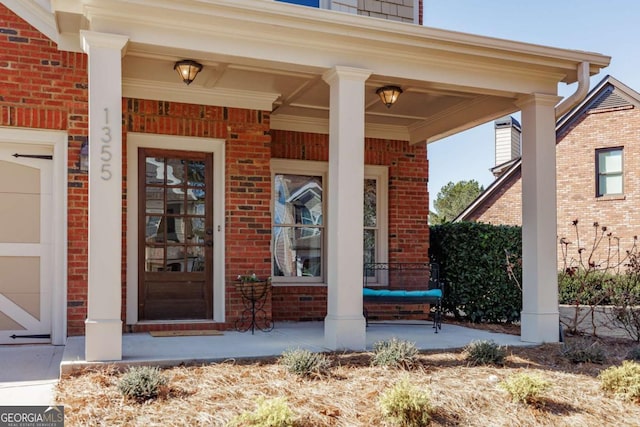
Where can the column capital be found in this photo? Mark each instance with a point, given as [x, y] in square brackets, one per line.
[349, 73]
[544, 99]
[105, 40]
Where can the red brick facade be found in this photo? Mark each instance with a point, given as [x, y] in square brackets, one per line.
[44, 88]
[576, 180]
[504, 206]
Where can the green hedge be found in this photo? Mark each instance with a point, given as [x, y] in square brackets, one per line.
[595, 287]
[474, 267]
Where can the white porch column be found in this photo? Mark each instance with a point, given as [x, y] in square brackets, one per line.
[103, 327]
[540, 318]
[344, 326]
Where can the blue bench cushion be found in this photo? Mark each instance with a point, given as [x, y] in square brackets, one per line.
[432, 293]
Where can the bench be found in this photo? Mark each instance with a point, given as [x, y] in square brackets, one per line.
[401, 283]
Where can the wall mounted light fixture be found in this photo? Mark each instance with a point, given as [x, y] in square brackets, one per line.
[187, 69]
[83, 158]
[389, 95]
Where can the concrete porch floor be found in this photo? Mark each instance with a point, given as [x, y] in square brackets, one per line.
[142, 348]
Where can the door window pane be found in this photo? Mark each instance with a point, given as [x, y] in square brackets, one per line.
[196, 173]
[154, 232]
[154, 172]
[175, 171]
[154, 200]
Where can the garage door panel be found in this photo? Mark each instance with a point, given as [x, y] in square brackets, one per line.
[19, 275]
[8, 324]
[20, 217]
[16, 178]
[26, 252]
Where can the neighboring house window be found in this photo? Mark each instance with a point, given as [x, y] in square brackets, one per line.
[609, 173]
[312, 3]
[298, 235]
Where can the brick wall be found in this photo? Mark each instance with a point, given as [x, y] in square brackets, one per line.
[576, 176]
[408, 210]
[247, 182]
[43, 88]
[504, 206]
[576, 182]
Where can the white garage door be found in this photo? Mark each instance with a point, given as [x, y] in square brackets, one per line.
[26, 249]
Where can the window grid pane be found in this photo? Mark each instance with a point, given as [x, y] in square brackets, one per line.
[609, 172]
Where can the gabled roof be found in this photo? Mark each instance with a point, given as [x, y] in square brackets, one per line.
[609, 94]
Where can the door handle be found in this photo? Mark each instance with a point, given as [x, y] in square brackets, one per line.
[209, 243]
[209, 231]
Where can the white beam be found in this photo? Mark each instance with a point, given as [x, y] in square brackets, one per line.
[344, 326]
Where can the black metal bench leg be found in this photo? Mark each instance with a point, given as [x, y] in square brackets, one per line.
[437, 318]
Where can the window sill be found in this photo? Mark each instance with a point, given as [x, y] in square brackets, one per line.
[611, 197]
[297, 284]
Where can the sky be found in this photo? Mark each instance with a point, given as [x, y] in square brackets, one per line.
[609, 27]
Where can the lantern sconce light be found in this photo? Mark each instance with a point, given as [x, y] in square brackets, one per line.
[83, 158]
[389, 95]
[187, 69]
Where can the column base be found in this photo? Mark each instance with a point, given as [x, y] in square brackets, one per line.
[345, 333]
[103, 340]
[540, 327]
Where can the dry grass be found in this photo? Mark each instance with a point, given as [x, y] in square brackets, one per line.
[462, 395]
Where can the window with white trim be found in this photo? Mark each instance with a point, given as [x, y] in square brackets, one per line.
[298, 229]
[609, 172]
[312, 3]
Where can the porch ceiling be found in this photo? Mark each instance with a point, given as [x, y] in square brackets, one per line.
[271, 56]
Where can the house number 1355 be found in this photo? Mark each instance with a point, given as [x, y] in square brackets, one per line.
[105, 148]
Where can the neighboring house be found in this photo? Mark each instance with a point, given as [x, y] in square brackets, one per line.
[276, 158]
[597, 174]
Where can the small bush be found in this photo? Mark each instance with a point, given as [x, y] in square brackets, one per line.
[584, 351]
[623, 381]
[305, 363]
[395, 353]
[142, 383]
[634, 354]
[405, 405]
[269, 413]
[525, 388]
[485, 353]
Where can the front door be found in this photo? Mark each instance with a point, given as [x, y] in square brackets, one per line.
[175, 235]
[26, 246]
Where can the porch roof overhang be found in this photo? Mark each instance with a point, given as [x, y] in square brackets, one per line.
[270, 56]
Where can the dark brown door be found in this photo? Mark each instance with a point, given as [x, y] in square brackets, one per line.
[175, 235]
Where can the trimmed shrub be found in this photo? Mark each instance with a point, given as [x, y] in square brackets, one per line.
[405, 405]
[305, 363]
[584, 351]
[485, 353]
[141, 383]
[525, 388]
[623, 381]
[473, 266]
[269, 413]
[394, 353]
[634, 354]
